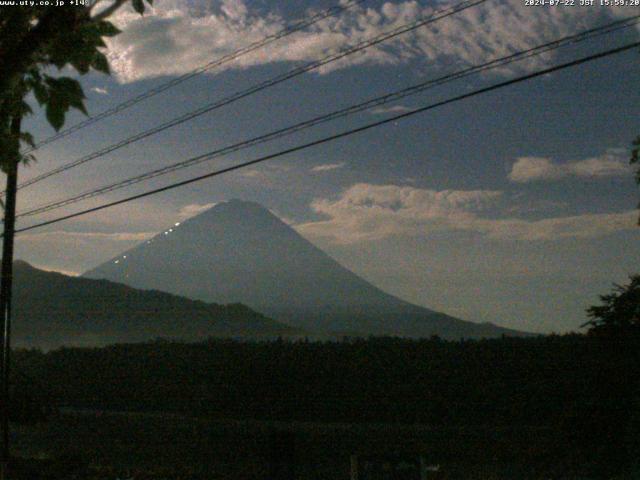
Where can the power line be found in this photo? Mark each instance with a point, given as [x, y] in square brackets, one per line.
[296, 27]
[258, 87]
[381, 100]
[337, 136]
[438, 15]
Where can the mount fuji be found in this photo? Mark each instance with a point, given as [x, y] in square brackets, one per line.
[239, 252]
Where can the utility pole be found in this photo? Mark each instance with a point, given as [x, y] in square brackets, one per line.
[6, 281]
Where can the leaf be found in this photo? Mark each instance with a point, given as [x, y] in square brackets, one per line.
[635, 157]
[40, 92]
[73, 93]
[26, 109]
[69, 87]
[79, 105]
[82, 65]
[107, 29]
[27, 159]
[100, 63]
[55, 114]
[138, 6]
[64, 93]
[27, 138]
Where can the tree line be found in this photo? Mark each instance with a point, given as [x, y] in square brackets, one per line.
[582, 387]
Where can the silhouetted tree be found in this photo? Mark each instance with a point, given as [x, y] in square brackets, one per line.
[635, 160]
[619, 312]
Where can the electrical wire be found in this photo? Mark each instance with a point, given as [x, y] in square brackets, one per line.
[438, 15]
[375, 102]
[296, 27]
[337, 136]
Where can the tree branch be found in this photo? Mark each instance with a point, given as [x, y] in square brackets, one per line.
[107, 12]
[15, 61]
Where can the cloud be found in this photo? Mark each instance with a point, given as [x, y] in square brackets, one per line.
[74, 251]
[252, 173]
[177, 36]
[393, 109]
[530, 169]
[271, 175]
[115, 237]
[327, 167]
[366, 212]
[578, 226]
[193, 209]
[101, 91]
[372, 212]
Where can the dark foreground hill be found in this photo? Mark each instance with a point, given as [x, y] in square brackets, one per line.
[52, 309]
[240, 252]
[551, 407]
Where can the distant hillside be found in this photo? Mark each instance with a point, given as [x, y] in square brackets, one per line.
[240, 252]
[51, 309]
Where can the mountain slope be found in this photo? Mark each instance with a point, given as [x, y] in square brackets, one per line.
[51, 309]
[239, 252]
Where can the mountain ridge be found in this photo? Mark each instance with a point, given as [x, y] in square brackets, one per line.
[52, 309]
[239, 251]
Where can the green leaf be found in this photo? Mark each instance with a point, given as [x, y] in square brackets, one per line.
[79, 105]
[64, 93]
[635, 151]
[26, 109]
[27, 138]
[55, 114]
[73, 93]
[40, 92]
[138, 6]
[100, 63]
[66, 86]
[107, 29]
[82, 66]
[27, 158]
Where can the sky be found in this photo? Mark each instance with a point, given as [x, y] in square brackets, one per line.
[516, 207]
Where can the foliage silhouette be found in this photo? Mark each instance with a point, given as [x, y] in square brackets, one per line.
[619, 313]
[575, 388]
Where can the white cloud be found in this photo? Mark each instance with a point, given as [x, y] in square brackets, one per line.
[578, 226]
[74, 251]
[273, 175]
[529, 169]
[372, 212]
[252, 173]
[61, 234]
[392, 109]
[193, 209]
[366, 212]
[101, 91]
[327, 167]
[177, 36]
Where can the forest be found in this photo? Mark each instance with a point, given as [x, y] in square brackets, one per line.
[580, 393]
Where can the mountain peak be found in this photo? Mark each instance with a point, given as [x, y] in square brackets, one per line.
[236, 214]
[241, 208]
[239, 204]
[238, 251]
